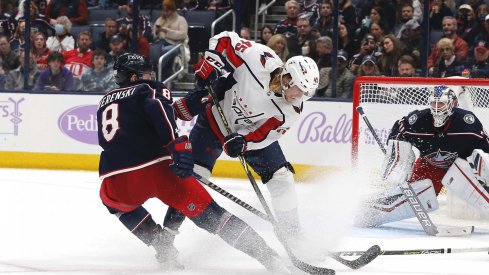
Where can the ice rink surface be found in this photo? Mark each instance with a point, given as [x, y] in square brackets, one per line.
[53, 222]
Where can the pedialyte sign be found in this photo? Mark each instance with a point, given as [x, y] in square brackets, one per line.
[80, 123]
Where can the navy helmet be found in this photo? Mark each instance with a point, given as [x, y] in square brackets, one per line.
[129, 64]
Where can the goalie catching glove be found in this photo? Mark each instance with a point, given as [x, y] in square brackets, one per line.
[209, 68]
[183, 161]
[234, 145]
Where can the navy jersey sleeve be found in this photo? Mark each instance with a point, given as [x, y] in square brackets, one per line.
[160, 113]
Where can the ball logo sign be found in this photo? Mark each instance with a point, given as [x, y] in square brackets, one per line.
[80, 123]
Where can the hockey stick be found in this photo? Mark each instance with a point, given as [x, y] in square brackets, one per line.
[296, 262]
[428, 226]
[365, 257]
[231, 197]
[417, 251]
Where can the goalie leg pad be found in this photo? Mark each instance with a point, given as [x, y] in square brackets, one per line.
[462, 182]
[393, 206]
[398, 161]
[479, 162]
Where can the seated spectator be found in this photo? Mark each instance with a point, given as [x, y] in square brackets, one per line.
[325, 22]
[7, 22]
[40, 51]
[62, 41]
[309, 49]
[40, 4]
[117, 46]
[378, 32]
[467, 23]
[15, 78]
[17, 41]
[391, 52]
[278, 43]
[144, 21]
[288, 26]
[110, 30]
[170, 29]
[9, 60]
[55, 77]
[368, 47]
[303, 34]
[407, 13]
[79, 60]
[143, 44]
[448, 62]
[460, 46]
[407, 66]
[39, 22]
[310, 9]
[348, 13]
[368, 67]
[344, 79]
[100, 77]
[439, 10]
[412, 39]
[265, 34]
[75, 10]
[324, 46]
[480, 66]
[245, 33]
[345, 40]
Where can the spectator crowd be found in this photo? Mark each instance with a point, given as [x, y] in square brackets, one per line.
[375, 38]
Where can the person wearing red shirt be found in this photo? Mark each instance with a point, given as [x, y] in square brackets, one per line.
[79, 60]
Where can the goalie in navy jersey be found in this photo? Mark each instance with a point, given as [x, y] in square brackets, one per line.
[452, 149]
[261, 99]
[143, 157]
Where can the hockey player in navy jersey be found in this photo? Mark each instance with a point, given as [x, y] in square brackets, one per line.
[261, 98]
[143, 157]
[453, 152]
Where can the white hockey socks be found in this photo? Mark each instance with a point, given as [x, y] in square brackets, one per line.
[461, 180]
[284, 200]
[393, 206]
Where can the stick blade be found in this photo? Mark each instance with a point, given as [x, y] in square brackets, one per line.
[455, 231]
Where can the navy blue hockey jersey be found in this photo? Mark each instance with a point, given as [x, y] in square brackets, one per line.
[134, 125]
[462, 133]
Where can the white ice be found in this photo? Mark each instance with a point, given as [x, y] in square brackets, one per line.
[53, 222]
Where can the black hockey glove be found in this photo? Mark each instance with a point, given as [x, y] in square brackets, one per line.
[234, 145]
[183, 161]
[208, 68]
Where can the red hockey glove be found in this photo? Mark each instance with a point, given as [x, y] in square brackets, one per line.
[208, 68]
[192, 104]
[234, 145]
[183, 161]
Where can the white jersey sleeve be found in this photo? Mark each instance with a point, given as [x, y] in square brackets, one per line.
[248, 105]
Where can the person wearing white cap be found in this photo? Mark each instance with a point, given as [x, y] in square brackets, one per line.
[467, 28]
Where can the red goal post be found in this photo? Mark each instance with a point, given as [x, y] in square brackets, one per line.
[387, 99]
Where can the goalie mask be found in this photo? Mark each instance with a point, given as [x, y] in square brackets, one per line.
[129, 64]
[442, 102]
[304, 73]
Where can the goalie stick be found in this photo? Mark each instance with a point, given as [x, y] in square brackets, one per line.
[424, 219]
[365, 257]
[417, 251]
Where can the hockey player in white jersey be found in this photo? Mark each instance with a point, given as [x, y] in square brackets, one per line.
[453, 153]
[261, 98]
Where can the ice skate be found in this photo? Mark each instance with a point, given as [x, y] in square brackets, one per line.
[166, 253]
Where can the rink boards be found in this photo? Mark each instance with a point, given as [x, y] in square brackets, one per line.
[59, 131]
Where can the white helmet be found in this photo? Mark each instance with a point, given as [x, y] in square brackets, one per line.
[304, 73]
[442, 102]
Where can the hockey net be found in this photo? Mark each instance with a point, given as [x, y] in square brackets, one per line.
[387, 99]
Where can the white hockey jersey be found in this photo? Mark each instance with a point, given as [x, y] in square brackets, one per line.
[249, 107]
